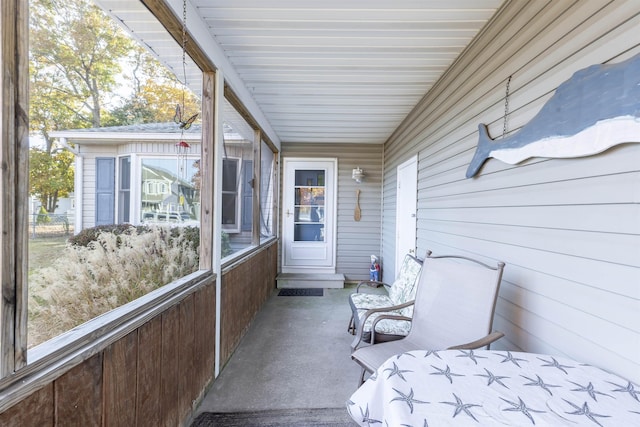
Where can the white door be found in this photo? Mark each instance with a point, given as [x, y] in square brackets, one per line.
[309, 192]
[407, 192]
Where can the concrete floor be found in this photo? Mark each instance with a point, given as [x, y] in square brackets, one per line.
[295, 355]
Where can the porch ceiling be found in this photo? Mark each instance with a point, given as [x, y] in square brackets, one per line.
[325, 71]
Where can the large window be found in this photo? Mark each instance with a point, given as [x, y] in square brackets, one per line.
[238, 182]
[89, 77]
[170, 192]
[78, 274]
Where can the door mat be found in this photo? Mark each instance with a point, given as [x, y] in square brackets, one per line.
[301, 292]
[324, 417]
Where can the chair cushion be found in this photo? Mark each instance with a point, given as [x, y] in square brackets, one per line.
[404, 287]
[386, 326]
[366, 301]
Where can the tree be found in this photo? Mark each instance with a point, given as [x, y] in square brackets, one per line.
[50, 176]
[75, 56]
[86, 72]
[155, 93]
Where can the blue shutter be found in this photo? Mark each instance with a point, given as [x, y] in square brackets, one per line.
[105, 190]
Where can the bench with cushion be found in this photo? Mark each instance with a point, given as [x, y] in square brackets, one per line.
[398, 299]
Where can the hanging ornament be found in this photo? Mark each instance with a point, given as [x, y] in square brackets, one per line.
[183, 124]
[178, 118]
[183, 147]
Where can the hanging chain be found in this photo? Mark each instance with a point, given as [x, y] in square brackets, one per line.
[184, 51]
[506, 108]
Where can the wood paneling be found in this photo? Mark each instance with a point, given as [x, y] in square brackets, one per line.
[150, 377]
[187, 380]
[148, 393]
[120, 381]
[34, 411]
[566, 228]
[245, 287]
[170, 366]
[78, 394]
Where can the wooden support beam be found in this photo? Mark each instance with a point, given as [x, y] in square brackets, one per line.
[14, 161]
[165, 15]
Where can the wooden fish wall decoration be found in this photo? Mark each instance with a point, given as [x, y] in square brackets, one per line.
[597, 108]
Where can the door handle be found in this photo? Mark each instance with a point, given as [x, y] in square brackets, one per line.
[288, 213]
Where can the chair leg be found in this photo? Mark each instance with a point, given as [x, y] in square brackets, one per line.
[364, 371]
[352, 327]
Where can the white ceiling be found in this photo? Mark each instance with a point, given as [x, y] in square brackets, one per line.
[324, 71]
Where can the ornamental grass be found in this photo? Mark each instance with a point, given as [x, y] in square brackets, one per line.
[109, 270]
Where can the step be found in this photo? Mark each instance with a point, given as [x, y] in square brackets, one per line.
[310, 280]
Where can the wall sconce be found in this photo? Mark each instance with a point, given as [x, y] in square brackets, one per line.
[357, 175]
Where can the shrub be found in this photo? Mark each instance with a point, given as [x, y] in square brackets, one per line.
[43, 216]
[105, 269]
[89, 235]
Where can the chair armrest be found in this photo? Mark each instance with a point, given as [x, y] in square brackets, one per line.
[482, 342]
[382, 317]
[360, 330]
[371, 284]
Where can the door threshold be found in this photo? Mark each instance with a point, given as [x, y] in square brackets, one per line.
[310, 280]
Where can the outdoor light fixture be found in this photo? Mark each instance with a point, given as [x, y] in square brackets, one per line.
[357, 175]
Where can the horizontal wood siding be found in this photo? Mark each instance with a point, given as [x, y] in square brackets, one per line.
[568, 230]
[357, 240]
[150, 377]
[244, 289]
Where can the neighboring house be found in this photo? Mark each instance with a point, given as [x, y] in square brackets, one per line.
[148, 173]
[65, 206]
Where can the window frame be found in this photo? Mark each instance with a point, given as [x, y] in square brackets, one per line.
[57, 356]
[235, 226]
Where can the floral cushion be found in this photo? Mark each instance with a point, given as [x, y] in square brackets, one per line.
[404, 288]
[401, 291]
[362, 301]
[386, 326]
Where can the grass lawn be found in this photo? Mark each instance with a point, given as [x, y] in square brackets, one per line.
[44, 251]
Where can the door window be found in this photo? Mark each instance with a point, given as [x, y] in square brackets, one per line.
[309, 208]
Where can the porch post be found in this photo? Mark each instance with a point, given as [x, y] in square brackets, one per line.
[257, 166]
[218, 155]
[14, 158]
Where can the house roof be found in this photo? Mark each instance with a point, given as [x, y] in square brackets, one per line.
[346, 71]
[147, 131]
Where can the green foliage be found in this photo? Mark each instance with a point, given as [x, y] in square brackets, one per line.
[50, 176]
[90, 235]
[75, 58]
[155, 93]
[43, 217]
[226, 245]
[86, 72]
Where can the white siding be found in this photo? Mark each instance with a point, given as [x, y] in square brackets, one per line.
[90, 152]
[357, 240]
[568, 230]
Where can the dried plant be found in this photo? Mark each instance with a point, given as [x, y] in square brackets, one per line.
[110, 271]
